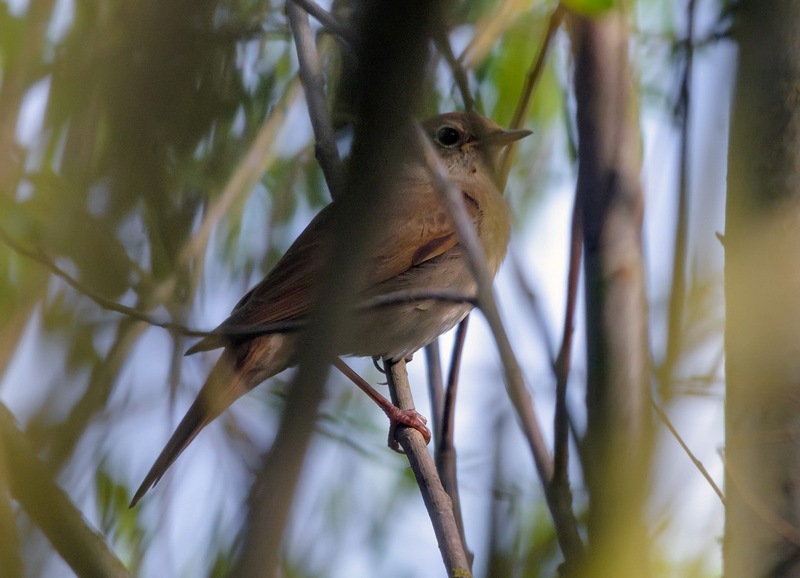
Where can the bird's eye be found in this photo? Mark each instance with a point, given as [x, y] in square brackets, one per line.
[447, 136]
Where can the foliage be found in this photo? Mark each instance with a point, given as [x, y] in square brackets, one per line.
[125, 128]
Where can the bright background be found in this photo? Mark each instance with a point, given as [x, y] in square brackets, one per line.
[125, 123]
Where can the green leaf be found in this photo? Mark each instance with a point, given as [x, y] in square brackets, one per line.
[591, 7]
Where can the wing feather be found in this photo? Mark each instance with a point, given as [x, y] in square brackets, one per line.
[417, 229]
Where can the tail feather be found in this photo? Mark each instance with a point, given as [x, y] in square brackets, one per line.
[191, 424]
[223, 386]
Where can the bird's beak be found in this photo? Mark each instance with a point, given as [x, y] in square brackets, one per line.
[503, 138]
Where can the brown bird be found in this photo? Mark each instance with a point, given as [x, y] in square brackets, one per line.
[417, 249]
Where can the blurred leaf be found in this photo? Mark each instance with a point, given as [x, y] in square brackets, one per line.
[591, 8]
[117, 519]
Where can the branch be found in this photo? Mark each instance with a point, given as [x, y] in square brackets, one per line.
[314, 85]
[81, 547]
[247, 173]
[41, 258]
[392, 56]
[677, 296]
[329, 22]
[433, 360]
[559, 486]
[521, 399]
[396, 298]
[459, 72]
[437, 502]
[531, 80]
[445, 451]
[662, 415]
[10, 550]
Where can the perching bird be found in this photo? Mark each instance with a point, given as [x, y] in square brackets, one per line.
[416, 249]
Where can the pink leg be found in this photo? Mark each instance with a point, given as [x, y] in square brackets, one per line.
[397, 416]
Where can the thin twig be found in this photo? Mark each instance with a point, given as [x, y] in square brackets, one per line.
[452, 198]
[562, 362]
[396, 298]
[697, 463]
[329, 22]
[247, 173]
[433, 360]
[533, 301]
[531, 80]
[515, 384]
[459, 72]
[677, 297]
[313, 81]
[445, 449]
[108, 304]
[437, 502]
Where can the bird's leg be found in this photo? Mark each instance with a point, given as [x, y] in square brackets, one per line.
[397, 416]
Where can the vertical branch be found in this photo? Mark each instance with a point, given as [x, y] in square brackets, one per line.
[520, 397]
[561, 368]
[762, 282]
[456, 67]
[433, 359]
[10, 558]
[437, 502]
[611, 204]
[445, 450]
[314, 85]
[531, 79]
[677, 295]
[392, 54]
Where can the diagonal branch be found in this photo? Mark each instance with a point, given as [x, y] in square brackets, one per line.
[531, 80]
[30, 483]
[437, 501]
[521, 399]
[314, 86]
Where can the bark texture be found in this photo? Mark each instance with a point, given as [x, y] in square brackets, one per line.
[762, 283]
[610, 198]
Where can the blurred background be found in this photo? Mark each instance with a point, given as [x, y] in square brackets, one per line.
[160, 156]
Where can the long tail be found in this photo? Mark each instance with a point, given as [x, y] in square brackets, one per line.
[223, 386]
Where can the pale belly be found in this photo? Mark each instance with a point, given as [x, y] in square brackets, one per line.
[396, 331]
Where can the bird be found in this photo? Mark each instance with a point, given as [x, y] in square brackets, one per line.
[417, 248]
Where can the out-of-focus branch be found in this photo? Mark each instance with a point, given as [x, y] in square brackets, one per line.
[521, 399]
[249, 170]
[437, 501]
[396, 298]
[456, 67]
[30, 482]
[677, 296]
[108, 304]
[618, 439]
[685, 447]
[433, 360]
[10, 559]
[562, 494]
[392, 53]
[329, 21]
[314, 85]
[531, 79]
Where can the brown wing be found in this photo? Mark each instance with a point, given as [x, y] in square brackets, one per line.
[287, 290]
[418, 229]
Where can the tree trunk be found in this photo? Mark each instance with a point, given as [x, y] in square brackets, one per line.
[762, 283]
[610, 197]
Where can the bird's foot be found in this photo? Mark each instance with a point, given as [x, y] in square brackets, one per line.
[408, 418]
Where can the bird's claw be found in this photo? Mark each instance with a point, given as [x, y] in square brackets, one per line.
[409, 418]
